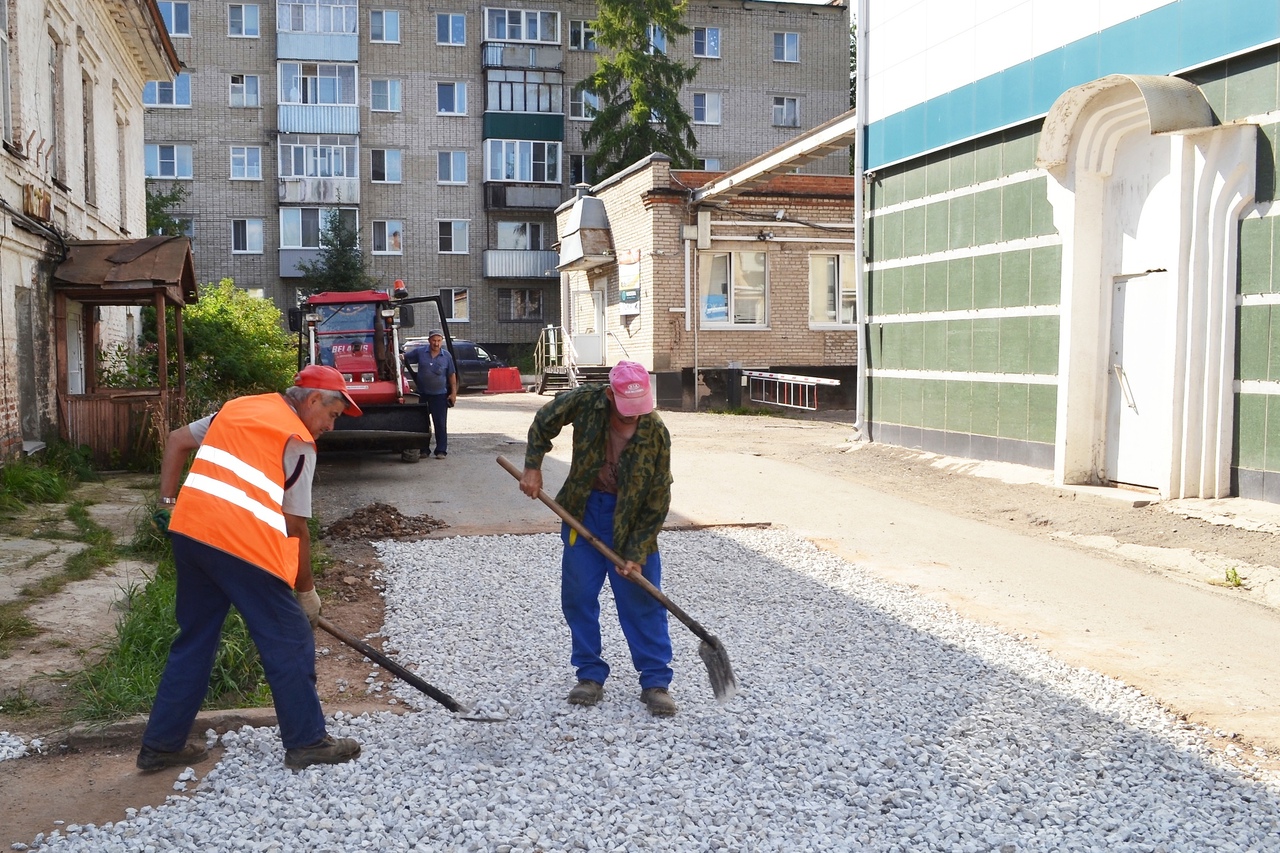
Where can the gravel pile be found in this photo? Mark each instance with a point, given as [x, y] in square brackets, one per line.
[868, 719]
[11, 746]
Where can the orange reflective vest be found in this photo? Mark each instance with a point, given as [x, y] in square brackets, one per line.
[232, 499]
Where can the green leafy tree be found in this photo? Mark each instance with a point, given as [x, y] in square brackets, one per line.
[638, 87]
[159, 203]
[341, 263]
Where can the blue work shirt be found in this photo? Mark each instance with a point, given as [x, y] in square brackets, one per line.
[433, 372]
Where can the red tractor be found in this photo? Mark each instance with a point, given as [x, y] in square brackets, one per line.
[358, 333]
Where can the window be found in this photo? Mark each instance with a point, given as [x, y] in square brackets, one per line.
[244, 90]
[582, 104]
[301, 227]
[57, 120]
[786, 112]
[388, 237]
[451, 28]
[316, 16]
[453, 236]
[316, 83]
[256, 292]
[246, 236]
[511, 90]
[832, 292]
[88, 142]
[732, 289]
[706, 107]
[384, 96]
[451, 99]
[168, 161]
[521, 25]
[456, 302]
[786, 47]
[246, 163]
[318, 157]
[706, 42]
[451, 167]
[177, 17]
[384, 167]
[578, 171]
[5, 83]
[242, 20]
[162, 93]
[518, 160]
[525, 236]
[384, 26]
[657, 39]
[582, 36]
[709, 164]
[520, 305]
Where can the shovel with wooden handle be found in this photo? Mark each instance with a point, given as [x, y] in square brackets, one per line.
[466, 712]
[723, 683]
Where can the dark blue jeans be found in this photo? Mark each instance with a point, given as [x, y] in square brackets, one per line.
[643, 620]
[210, 581]
[439, 405]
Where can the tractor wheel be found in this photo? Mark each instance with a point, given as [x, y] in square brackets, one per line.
[410, 455]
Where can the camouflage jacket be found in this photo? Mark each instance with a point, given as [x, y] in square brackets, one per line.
[644, 471]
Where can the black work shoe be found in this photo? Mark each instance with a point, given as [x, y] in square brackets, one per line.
[585, 692]
[153, 759]
[329, 750]
[658, 701]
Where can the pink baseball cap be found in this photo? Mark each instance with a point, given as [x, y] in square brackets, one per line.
[631, 394]
[328, 379]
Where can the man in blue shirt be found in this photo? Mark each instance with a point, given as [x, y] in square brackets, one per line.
[437, 379]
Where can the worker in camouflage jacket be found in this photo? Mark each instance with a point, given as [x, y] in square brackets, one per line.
[619, 486]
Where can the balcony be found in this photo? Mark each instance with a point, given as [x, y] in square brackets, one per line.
[506, 54]
[318, 118]
[289, 259]
[318, 47]
[499, 195]
[520, 263]
[320, 190]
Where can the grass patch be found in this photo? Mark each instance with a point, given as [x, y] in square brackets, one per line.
[100, 551]
[14, 625]
[20, 705]
[747, 410]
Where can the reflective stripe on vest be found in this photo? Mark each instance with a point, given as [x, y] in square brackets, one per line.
[233, 497]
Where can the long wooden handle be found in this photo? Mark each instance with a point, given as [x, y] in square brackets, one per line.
[405, 675]
[613, 557]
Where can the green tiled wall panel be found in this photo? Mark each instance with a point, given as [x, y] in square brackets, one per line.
[935, 286]
[1253, 342]
[1044, 345]
[1041, 209]
[1013, 411]
[986, 281]
[1042, 413]
[1253, 85]
[1015, 344]
[1271, 459]
[1258, 253]
[959, 406]
[912, 289]
[986, 345]
[962, 166]
[934, 334]
[937, 227]
[912, 402]
[1046, 275]
[960, 345]
[960, 284]
[961, 230]
[914, 182]
[986, 216]
[985, 414]
[1250, 431]
[911, 352]
[890, 245]
[1273, 348]
[937, 172]
[890, 291]
[986, 164]
[913, 231]
[935, 405]
[1015, 200]
[1015, 278]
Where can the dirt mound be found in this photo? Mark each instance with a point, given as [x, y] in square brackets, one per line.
[381, 521]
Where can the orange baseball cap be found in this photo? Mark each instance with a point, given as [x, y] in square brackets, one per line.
[327, 379]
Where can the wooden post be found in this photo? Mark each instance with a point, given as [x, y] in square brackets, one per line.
[162, 336]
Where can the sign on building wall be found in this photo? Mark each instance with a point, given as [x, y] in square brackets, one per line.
[628, 282]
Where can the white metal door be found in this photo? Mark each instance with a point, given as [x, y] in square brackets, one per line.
[75, 348]
[1140, 387]
[588, 326]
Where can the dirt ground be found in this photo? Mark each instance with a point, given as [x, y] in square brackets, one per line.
[36, 789]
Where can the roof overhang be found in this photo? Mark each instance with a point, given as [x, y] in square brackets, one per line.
[128, 272]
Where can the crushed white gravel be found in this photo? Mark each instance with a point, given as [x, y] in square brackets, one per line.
[869, 718]
[11, 746]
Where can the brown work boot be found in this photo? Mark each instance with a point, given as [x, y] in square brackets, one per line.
[153, 759]
[585, 692]
[329, 750]
[658, 701]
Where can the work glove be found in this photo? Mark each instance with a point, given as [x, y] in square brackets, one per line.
[310, 602]
[160, 520]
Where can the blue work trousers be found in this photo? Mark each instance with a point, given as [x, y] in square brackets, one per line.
[210, 581]
[643, 619]
[439, 406]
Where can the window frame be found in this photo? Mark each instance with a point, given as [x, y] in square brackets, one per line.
[583, 105]
[780, 102]
[456, 227]
[392, 96]
[6, 75]
[706, 104]
[732, 296]
[387, 231]
[317, 149]
[535, 235]
[179, 88]
[244, 85]
[248, 242]
[490, 161]
[458, 86]
[387, 15]
[177, 160]
[578, 162]
[524, 15]
[350, 16]
[581, 32]
[246, 157]
[449, 301]
[315, 89]
[452, 19]
[507, 295]
[786, 44]
[170, 19]
[657, 38]
[322, 214]
[387, 169]
[706, 42]
[452, 154]
[844, 305]
[257, 24]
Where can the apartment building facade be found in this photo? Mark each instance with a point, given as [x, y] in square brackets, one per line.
[445, 134]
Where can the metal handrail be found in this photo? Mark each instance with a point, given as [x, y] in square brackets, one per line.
[621, 345]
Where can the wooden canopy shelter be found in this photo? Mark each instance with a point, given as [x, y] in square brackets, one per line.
[119, 424]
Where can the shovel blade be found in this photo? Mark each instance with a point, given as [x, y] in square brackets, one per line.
[723, 683]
